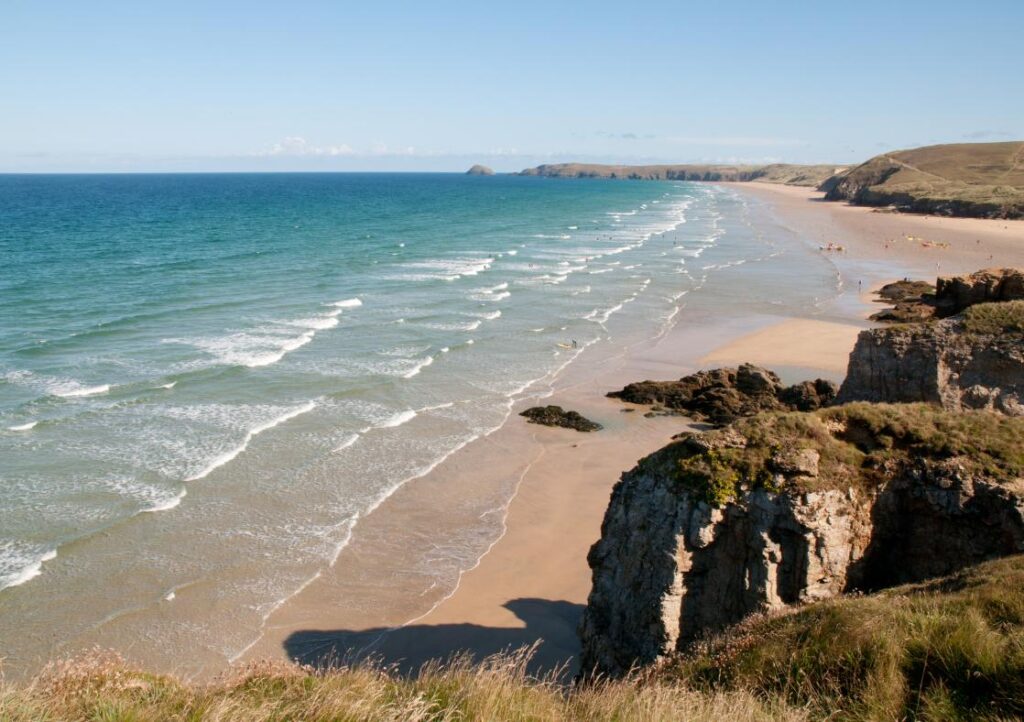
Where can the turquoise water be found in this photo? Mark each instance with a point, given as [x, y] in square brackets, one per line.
[193, 367]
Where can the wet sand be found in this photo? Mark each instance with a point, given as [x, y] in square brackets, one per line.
[532, 584]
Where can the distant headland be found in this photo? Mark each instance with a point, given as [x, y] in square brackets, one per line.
[980, 180]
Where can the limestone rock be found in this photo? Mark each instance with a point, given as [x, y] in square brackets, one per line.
[962, 362]
[672, 566]
[956, 293]
[919, 301]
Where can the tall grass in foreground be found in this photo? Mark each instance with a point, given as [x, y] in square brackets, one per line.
[103, 688]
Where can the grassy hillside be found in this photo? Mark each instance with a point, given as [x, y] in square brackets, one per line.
[965, 179]
[945, 650]
[804, 175]
[951, 649]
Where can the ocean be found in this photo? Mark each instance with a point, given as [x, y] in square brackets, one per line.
[206, 381]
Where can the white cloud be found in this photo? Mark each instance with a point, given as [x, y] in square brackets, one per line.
[295, 145]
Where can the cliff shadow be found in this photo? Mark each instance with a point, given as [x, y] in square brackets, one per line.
[548, 624]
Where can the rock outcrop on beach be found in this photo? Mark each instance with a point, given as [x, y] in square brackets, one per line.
[984, 180]
[722, 395]
[479, 170]
[557, 416]
[920, 301]
[971, 361]
[787, 508]
[954, 294]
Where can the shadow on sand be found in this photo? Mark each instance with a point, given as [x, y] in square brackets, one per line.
[551, 625]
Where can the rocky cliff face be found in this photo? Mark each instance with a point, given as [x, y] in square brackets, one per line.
[784, 508]
[972, 361]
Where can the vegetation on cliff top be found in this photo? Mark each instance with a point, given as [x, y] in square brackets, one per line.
[948, 649]
[104, 689]
[854, 443]
[995, 318]
[973, 179]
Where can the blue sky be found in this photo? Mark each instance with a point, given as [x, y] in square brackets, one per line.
[317, 85]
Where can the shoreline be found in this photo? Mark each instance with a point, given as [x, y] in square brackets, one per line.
[531, 583]
[487, 550]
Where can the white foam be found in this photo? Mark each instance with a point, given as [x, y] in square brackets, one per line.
[348, 303]
[168, 386]
[165, 504]
[599, 316]
[446, 405]
[444, 269]
[23, 427]
[398, 419]
[227, 456]
[353, 438]
[317, 323]
[420, 365]
[73, 389]
[19, 566]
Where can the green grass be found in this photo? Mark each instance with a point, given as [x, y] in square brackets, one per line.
[946, 650]
[995, 318]
[853, 441]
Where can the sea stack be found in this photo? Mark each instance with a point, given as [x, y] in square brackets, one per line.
[480, 170]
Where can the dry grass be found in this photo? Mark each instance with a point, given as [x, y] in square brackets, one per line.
[102, 688]
[951, 649]
[976, 179]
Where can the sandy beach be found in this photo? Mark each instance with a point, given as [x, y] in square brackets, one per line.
[532, 585]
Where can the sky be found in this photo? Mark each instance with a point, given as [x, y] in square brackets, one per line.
[224, 85]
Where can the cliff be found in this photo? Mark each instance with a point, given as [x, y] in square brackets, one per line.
[971, 361]
[785, 508]
[984, 180]
[802, 175]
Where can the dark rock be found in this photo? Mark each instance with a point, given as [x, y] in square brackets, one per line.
[479, 170]
[720, 396]
[557, 416]
[808, 395]
[956, 293]
[918, 301]
[754, 381]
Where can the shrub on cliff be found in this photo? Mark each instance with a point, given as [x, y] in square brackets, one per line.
[947, 649]
[853, 444]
